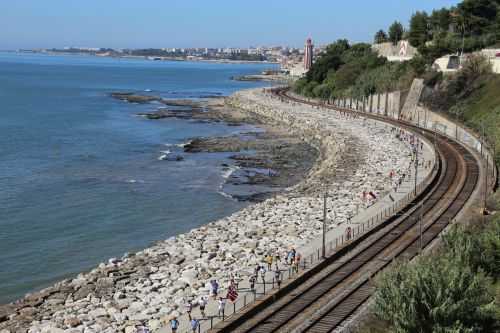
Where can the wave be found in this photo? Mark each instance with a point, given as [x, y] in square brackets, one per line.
[133, 181]
[226, 195]
[180, 145]
[164, 155]
[227, 173]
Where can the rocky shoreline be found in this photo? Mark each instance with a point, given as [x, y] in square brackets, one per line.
[265, 162]
[353, 156]
[263, 77]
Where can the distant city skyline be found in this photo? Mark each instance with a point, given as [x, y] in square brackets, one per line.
[196, 23]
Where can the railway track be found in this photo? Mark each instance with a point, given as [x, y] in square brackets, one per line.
[336, 292]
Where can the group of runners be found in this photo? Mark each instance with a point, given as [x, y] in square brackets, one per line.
[270, 263]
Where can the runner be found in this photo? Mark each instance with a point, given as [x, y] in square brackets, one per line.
[296, 264]
[195, 323]
[222, 307]
[297, 259]
[252, 280]
[269, 261]
[277, 277]
[203, 303]
[189, 308]
[214, 288]
[174, 324]
[277, 256]
[263, 274]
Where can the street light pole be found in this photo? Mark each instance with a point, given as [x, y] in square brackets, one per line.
[416, 167]
[486, 183]
[420, 225]
[324, 225]
[483, 137]
[435, 145]
[486, 167]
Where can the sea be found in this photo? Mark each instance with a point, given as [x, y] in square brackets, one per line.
[81, 175]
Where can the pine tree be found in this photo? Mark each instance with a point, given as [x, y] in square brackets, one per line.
[419, 29]
[396, 32]
[380, 37]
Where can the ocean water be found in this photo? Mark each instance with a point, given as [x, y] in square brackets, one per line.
[80, 178]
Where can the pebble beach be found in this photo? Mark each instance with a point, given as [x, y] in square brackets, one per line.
[355, 155]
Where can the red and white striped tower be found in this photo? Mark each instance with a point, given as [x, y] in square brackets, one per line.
[308, 54]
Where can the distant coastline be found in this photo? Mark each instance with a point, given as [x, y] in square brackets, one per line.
[150, 58]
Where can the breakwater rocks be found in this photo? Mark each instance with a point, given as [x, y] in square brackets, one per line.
[354, 156]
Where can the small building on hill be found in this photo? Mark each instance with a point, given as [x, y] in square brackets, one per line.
[401, 52]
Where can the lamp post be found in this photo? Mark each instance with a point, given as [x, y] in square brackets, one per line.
[483, 141]
[416, 167]
[324, 225]
[421, 218]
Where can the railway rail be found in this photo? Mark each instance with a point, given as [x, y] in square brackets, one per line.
[334, 294]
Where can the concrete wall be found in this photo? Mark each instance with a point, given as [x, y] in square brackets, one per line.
[435, 121]
[389, 104]
[495, 63]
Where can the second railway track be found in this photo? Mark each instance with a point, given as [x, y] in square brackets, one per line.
[333, 294]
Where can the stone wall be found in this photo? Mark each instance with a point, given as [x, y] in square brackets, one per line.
[389, 104]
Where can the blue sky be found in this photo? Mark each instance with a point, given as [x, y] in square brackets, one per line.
[197, 23]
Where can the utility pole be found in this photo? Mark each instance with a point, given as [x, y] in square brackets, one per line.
[421, 218]
[418, 115]
[435, 144]
[483, 140]
[483, 137]
[486, 184]
[416, 166]
[425, 116]
[324, 225]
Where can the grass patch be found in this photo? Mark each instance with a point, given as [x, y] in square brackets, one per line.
[483, 107]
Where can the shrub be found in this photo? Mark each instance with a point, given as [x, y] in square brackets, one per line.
[450, 292]
[435, 295]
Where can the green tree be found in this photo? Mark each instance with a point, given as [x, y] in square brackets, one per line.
[345, 76]
[396, 31]
[419, 29]
[380, 37]
[488, 258]
[435, 295]
[477, 16]
[308, 89]
[440, 21]
[496, 27]
[299, 85]
[322, 91]
[331, 59]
